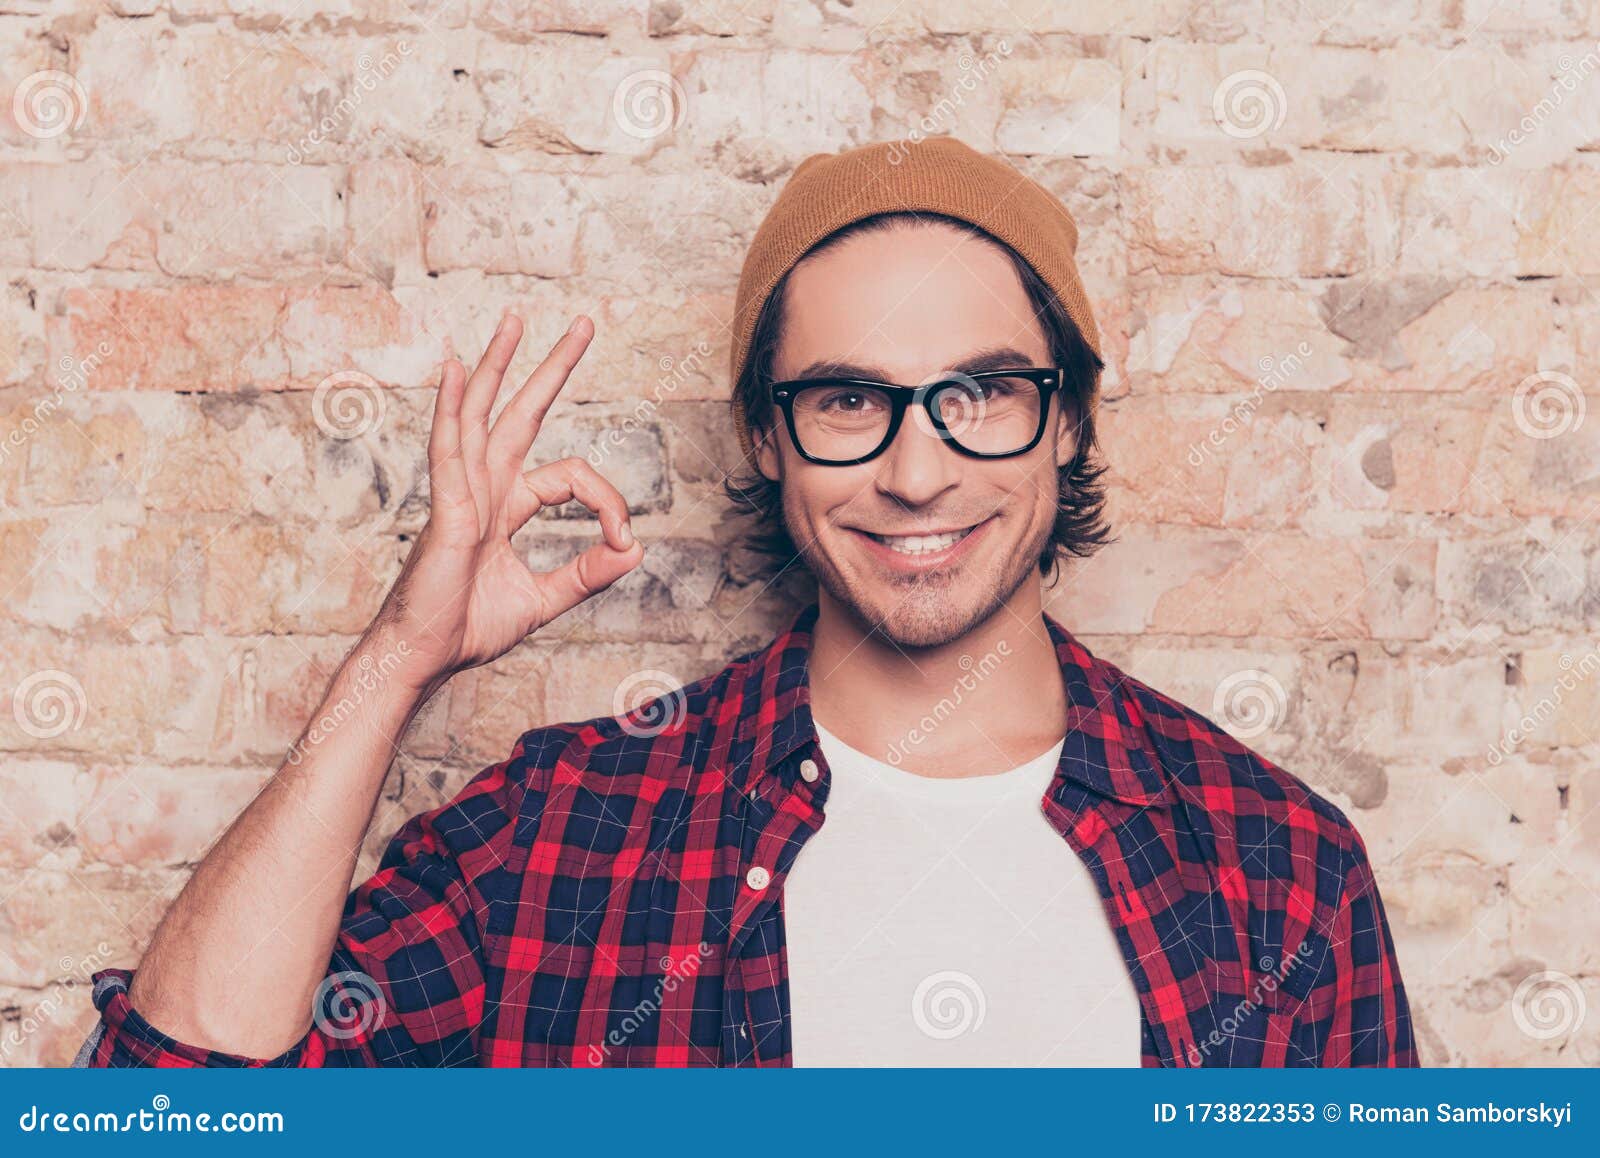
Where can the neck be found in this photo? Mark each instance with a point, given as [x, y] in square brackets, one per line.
[991, 699]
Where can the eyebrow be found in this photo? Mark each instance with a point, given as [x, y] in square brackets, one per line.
[990, 358]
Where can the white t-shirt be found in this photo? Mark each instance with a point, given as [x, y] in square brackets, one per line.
[945, 922]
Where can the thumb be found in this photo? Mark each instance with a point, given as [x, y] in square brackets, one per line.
[591, 572]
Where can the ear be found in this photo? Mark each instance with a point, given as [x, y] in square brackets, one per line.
[1066, 421]
[768, 458]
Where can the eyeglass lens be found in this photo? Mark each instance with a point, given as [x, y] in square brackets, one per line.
[986, 415]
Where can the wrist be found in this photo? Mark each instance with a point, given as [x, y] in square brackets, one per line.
[387, 656]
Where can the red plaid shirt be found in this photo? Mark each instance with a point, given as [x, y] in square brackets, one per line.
[611, 893]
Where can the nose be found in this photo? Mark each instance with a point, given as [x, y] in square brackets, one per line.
[917, 466]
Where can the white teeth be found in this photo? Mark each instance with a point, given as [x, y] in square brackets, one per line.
[922, 544]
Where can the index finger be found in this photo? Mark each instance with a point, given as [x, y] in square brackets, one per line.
[519, 422]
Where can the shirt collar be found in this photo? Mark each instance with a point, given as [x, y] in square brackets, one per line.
[1103, 751]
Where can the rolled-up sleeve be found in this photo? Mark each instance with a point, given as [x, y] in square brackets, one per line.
[406, 982]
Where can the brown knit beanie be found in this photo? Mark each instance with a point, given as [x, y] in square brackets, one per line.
[828, 191]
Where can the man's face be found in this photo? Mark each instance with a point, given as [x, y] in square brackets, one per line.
[905, 306]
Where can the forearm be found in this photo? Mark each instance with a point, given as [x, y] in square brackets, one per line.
[235, 963]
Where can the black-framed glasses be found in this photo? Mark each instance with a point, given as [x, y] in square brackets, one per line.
[845, 421]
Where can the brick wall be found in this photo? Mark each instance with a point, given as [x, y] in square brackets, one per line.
[1342, 254]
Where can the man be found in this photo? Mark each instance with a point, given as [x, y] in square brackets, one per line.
[1029, 857]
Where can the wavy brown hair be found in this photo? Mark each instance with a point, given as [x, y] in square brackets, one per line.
[1080, 527]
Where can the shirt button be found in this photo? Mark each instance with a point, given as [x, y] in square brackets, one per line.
[758, 878]
[808, 771]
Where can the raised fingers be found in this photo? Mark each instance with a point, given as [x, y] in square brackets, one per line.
[484, 385]
[447, 473]
[518, 424]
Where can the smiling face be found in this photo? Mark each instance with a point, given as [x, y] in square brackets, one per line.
[922, 542]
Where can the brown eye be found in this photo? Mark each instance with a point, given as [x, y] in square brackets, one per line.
[846, 402]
